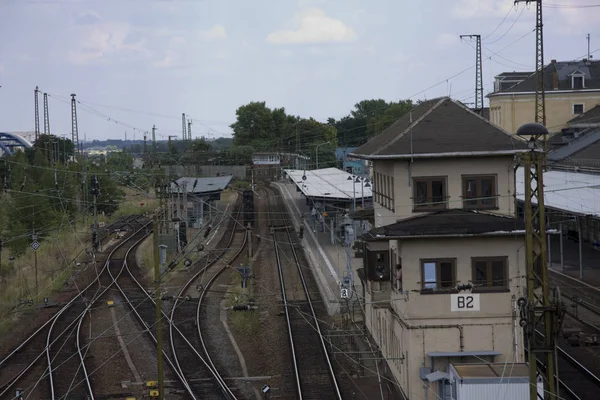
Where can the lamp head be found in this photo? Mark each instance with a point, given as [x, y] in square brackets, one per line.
[532, 132]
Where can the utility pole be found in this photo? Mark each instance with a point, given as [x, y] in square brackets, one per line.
[183, 131]
[540, 94]
[96, 193]
[189, 129]
[158, 301]
[588, 43]
[145, 144]
[154, 139]
[37, 113]
[46, 115]
[478, 73]
[171, 143]
[74, 128]
[539, 312]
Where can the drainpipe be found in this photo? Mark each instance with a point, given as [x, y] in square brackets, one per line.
[448, 326]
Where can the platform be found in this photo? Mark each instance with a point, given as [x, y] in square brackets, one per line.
[328, 259]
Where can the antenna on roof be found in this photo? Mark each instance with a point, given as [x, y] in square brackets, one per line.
[588, 43]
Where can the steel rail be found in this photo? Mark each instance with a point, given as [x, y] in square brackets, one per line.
[83, 313]
[589, 374]
[284, 298]
[229, 393]
[148, 328]
[41, 328]
[314, 315]
[53, 320]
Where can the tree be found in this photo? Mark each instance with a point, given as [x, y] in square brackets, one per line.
[254, 124]
[200, 146]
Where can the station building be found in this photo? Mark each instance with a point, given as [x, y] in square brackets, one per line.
[269, 166]
[445, 262]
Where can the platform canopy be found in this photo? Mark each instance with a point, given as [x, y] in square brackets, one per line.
[571, 192]
[330, 183]
[201, 185]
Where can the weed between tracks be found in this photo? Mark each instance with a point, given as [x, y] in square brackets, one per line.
[245, 322]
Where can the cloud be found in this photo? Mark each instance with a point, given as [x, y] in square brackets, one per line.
[96, 42]
[87, 18]
[479, 8]
[217, 32]
[314, 27]
[445, 40]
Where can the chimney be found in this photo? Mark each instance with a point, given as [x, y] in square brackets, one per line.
[553, 62]
[585, 60]
[555, 80]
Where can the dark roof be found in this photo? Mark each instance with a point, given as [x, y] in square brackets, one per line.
[591, 116]
[583, 151]
[201, 185]
[450, 222]
[440, 127]
[563, 69]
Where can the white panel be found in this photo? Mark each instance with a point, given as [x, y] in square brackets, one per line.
[464, 302]
[512, 391]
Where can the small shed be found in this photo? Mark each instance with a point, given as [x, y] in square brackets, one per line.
[489, 381]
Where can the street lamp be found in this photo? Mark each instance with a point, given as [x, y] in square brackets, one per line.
[317, 153]
[365, 184]
[354, 182]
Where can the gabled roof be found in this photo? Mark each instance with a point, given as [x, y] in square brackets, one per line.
[440, 127]
[591, 116]
[452, 223]
[564, 71]
[195, 185]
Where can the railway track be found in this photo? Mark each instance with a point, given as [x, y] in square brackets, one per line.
[313, 371]
[182, 312]
[576, 381]
[59, 332]
[144, 310]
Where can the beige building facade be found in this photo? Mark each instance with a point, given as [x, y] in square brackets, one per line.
[444, 206]
[417, 330]
[571, 89]
[405, 188]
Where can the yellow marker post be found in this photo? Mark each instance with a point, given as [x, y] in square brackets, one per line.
[110, 303]
[152, 384]
[130, 398]
[154, 393]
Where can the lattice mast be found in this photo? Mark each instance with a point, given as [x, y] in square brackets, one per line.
[543, 310]
[46, 115]
[189, 131]
[183, 127]
[37, 113]
[478, 73]
[74, 127]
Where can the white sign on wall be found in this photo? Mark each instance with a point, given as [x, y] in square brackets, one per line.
[464, 302]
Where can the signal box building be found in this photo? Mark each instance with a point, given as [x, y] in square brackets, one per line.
[445, 263]
[270, 165]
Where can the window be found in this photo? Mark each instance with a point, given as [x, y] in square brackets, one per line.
[438, 274]
[479, 191]
[490, 273]
[577, 81]
[577, 109]
[429, 193]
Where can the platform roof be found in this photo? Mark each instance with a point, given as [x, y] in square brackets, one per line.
[199, 185]
[571, 192]
[328, 183]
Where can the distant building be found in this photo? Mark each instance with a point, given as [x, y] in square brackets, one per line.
[572, 88]
[349, 164]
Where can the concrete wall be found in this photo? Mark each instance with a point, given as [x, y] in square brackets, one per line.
[404, 172]
[416, 323]
[511, 111]
[238, 171]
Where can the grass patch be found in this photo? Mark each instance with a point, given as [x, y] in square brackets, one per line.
[59, 257]
[246, 322]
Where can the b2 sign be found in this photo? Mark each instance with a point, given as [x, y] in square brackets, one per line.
[464, 302]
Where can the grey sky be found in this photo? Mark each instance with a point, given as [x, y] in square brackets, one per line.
[207, 57]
